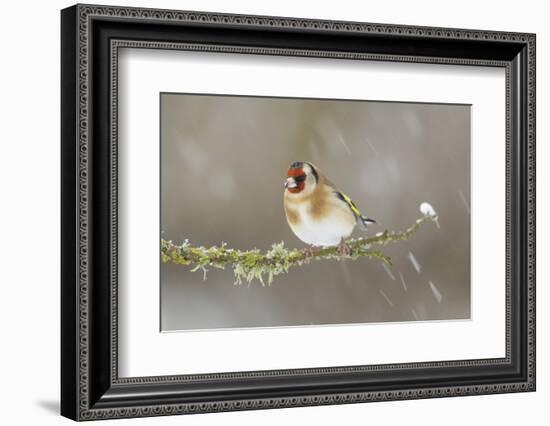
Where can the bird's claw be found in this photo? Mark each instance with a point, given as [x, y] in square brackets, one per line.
[343, 248]
[310, 252]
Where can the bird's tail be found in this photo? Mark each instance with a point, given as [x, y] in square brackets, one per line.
[364, 221]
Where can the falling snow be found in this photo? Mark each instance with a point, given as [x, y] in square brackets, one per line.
[388, 271]
[464, 201]
[403, 282]
[414, 262]
[436, 292]
[341, 139]
[372, 147]
[386, 297]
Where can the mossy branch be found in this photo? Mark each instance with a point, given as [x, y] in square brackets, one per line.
[253, 264]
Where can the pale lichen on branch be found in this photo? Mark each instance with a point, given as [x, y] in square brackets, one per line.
[253, 264]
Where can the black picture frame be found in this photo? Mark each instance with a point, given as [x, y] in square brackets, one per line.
[90, 386]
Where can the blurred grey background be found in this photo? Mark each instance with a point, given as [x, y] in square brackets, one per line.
[223, 164]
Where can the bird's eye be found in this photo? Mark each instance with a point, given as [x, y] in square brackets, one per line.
[300, 179]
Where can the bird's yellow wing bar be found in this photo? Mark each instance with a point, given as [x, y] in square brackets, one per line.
[350, 203]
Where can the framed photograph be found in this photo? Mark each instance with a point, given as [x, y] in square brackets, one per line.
[263, 212]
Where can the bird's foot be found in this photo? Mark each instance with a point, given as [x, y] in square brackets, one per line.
[343, 248]
[310, 252]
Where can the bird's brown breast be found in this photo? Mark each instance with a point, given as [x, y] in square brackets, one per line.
[315, 203]
[292, 215]
[318, 202]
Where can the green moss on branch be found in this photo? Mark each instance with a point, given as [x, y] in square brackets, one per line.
[253, 264]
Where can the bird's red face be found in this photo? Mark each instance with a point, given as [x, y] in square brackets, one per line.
[296, 180]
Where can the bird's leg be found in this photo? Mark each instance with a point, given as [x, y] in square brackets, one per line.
[343, 248]
[310, 252]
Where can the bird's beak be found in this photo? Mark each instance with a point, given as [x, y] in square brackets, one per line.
[290, 183]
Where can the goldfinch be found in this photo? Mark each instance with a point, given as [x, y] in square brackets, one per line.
[316, 211]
